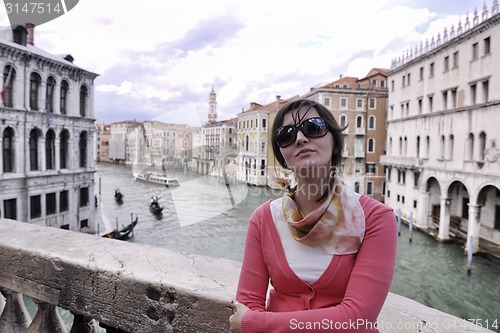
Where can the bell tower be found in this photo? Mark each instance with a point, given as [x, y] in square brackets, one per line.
[212, 107]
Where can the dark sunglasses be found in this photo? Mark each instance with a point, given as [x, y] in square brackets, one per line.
[315, 127]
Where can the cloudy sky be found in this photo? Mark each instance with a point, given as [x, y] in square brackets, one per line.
[159, 59]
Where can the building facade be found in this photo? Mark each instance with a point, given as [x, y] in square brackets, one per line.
[252, 140]
[218, 152]
[219, 149]
[101, 142]
[120, 149]
[361, 105]
[442, 161]
[46, 134]
[256, 163]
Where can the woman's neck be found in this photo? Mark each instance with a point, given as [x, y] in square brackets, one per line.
[310, 191]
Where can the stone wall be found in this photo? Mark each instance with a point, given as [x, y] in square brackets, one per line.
[140, 288]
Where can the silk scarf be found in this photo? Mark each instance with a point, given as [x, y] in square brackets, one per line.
[337, 226]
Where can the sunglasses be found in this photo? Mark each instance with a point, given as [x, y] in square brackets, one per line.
[315, 127]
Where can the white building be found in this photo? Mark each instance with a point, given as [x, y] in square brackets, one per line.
[218, 153]
[443, 166]
[254, 133]
[46, 133]
[119, 149]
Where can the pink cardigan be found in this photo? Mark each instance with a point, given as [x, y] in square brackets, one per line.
[346, 298]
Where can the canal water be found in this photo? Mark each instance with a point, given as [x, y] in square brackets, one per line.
[208, 217]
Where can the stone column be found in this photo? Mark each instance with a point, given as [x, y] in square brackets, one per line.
[56, 98]
[42, 163]
[57, 153]
[14, 318]
[423, 210]
[444, 220]
[47, 319]
[70, 154]
[473, 227]
[41, 96]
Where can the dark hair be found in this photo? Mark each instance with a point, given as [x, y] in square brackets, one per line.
[333, 127]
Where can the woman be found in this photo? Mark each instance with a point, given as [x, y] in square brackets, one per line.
[326, 253]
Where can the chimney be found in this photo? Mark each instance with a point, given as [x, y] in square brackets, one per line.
[31, 33]
[340, 75]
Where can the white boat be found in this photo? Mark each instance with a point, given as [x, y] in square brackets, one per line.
[156, 178]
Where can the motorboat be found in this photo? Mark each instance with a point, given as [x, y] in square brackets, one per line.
[156, 178]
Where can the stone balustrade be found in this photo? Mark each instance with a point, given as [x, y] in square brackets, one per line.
[408, 162]
[128, 287]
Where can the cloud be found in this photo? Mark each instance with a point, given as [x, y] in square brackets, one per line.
[163, 58]
[213, 32]
[124, 88]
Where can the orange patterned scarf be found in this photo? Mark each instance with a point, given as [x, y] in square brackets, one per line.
[336, 227]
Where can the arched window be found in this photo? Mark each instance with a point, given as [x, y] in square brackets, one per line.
[8, 150]
[441, 148]
[33, 143]
[63, 149]
[83, 100]
[246, 143]
[482, 145]
[400, 146]
[470, 147]
[427, 146]
[356, 187]
[343, 120]
[35, 81]
[418, 147]
[371, 145]
[450, 147]
[82, 148]
[389, 149]
[359, 122]
[50, 150]
[63, 97]
[371, 122]
[405, 147]
[49, 95]
[9, 75]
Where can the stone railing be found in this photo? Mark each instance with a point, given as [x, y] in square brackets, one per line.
[407, 162]
[128, 287]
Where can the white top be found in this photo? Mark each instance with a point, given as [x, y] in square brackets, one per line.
[307, 263]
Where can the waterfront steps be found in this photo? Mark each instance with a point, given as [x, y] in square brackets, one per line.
[138, 288]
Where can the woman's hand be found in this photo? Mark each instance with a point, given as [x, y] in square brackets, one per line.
[235, 319]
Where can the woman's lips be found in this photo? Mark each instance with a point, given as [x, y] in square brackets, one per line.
[304, 151]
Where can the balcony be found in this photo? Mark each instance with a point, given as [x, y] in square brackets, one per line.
[360, 131]
[135, 288]
[412, 163]
[359, 154]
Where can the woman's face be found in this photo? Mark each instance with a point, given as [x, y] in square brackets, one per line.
[306, 155]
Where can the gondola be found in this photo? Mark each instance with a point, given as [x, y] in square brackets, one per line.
[118, 195]
[154, 206]
[123, 233]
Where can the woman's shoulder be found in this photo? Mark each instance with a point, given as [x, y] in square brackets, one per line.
[372, 207]
[262, 211]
